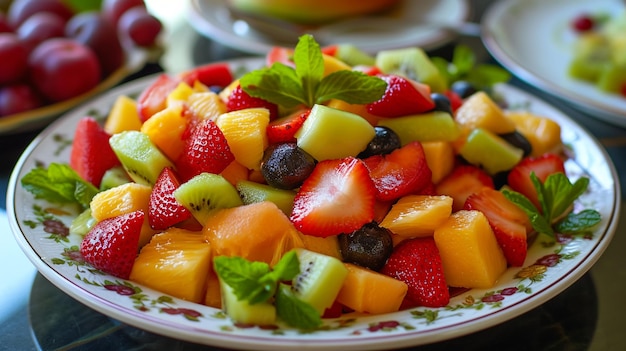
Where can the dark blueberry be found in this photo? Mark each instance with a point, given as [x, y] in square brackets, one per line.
[286, 166]
[442, 103]
[384, 142]
[518, 140]
[216, 88]
[369, 247]
[463, 89]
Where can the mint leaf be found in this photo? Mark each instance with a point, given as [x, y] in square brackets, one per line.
[463, 59]
[579, 223]
[485, 76]
[287, 268]
[463, 67]
[243, 277]
[294, 311]
[59, 183]
[309, 66]
[278, 84]
[563, 193]
[351, 86]
[539, 222]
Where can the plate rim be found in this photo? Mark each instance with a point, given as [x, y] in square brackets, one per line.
[108, 308]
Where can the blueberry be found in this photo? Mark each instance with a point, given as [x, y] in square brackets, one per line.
[286, 166]
[384, 142]
[442, 103]
[369, 247]
[518, 140]
[463, 89]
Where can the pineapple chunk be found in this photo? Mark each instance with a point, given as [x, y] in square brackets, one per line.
[417, 215]
[206, 105]
[440, 157]
[480, 111]
[179, 94]
[245, 131]
[165, 129]
[123, 116]
[333, 64]
[543, 134]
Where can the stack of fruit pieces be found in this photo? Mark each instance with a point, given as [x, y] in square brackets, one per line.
[55, 50]
[315, 185]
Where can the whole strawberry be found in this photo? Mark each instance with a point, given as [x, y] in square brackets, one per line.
[417, 263]
[112, 245]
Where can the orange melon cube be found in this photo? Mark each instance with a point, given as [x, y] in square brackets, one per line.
[257, 232]
[206, 105]
[213, 295]
[357, 109]
[166, 128]
[470, 253]
[175, 262]
[328, 246]
[417, 215]
[123, 116]
[235, 172]
[367, 291]
[480, 111]
[440, 157]
[543, 134]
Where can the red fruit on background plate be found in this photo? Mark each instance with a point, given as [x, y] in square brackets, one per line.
[544, 165]
[338, 197]
[463, 181]
[239, 100]
[404, 171]
[206, 150]
[14, 58]
[154, 98]
[417, 263]
[163, 209]
[18, 97]
[112, 244]
[283, 129]
[212, 74]
[402, 97]
[91, 154]
[509, 223]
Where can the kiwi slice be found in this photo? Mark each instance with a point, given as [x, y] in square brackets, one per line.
[113, 177]
[142, 160]
[240, 311]
[320, 279]
[412, 63]
[354, 56]
[82, 224]
[205, 193]
[252, 192]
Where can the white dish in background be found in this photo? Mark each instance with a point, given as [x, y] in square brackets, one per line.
[213, 19]
[533, 39]
[468, 312]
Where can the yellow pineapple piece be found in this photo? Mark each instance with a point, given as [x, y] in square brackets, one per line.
[440, 157]
[166, 128]
[333, 64]
[175, 262]
[470, 253]
[179, 94]
[368, 291]
[417, 215]
[480, 111]
[206, 105]
[123, 116]
[225, 93]
[543, 134]
[245, 132]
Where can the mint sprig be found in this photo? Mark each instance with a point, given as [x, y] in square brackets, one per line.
[306, 85]
[556, 196]
[59, 183]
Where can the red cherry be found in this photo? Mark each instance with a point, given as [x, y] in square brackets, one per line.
[583, 23]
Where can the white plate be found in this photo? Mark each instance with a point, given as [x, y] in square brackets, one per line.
[467, 313]
[533, 39]
[212, 19]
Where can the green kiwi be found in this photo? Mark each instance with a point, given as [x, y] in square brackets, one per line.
[414, 64]
[354, 56]
[252, 192]
[83, 223]
[320, 279]
[113, 177]
[206, 193]
[240, 311]
[142, 160]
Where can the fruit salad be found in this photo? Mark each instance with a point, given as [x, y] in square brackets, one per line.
[315, 186]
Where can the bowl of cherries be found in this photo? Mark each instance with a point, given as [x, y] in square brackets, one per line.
[56, 54]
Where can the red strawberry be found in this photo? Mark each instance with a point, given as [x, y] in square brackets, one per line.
[91, 154]
[508, 222]
[417, 263]
[338, 197]
[463, 181]
[282, 130]
[402, 97]
[211, 74]
[404, 171]
[239, 100]
[206, 150]
[455, 99]
[519, 177]
[164, 210]
[153, 99]
[112, 244]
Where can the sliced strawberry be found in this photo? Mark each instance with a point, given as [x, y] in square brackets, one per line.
[417, 263]
[463, 181]
[163, 209]
[455, 99]
[239, 100]
[369, 70]
[211, 74]
[330, 50]
[91, 154]
[519, 177]
[508, 222]
[403, 97]
[338, 197]
[206, 150]
[404, 171]
[112, 244]
[153, 99]
[283, 129]
[279, 54]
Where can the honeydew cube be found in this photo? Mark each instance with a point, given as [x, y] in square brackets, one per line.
[430, 126]
[486, 149]
[329, 133]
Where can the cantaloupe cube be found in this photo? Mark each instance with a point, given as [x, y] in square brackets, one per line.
[357, 109]
[333, 64]
[368, 291]
[175, 262]
[123, 116]
[418, 215]
[543, 133]
[206, 105]
[213, 295]
[480, 111]
[257, 232]
[324, 245]
[165, 129]
[440, 157]
[245, 132]
[235, 172]
[469, 251]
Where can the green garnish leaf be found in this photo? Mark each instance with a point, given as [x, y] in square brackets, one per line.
[463, 67]
[305, 84]
[244, 277]
[294, 311]
[538, 221]
[579, 223]
[59, 183]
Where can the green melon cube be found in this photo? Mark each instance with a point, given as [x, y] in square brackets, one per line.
[486, 149]
[430, 126]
